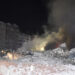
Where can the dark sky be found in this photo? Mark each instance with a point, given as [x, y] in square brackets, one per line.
[30, 15]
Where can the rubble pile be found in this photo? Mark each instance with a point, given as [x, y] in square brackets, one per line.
[51, 62]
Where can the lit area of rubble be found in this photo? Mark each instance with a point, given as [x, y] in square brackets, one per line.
[51, 62]
[9, 55]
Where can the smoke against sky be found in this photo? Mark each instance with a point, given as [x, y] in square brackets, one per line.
[63, 13]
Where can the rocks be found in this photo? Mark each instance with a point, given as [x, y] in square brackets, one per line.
[50, 62]
[23, 68]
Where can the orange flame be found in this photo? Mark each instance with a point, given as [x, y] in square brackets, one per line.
[12, 56]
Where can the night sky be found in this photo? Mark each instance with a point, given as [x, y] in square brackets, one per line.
[29, 15]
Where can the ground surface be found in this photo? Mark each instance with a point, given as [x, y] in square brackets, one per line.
[56, 62]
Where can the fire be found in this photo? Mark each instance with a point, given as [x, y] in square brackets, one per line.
[42, 48]
[3, 51]
[12, 56]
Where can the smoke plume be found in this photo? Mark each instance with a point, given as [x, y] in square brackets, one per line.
[62, 14]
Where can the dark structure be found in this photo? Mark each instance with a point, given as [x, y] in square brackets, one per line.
[10, 36]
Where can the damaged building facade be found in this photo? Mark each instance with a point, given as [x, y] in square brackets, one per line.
[10, 36]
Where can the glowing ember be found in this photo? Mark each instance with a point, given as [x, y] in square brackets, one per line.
[3, 51]
[42, 48]
[12, 56]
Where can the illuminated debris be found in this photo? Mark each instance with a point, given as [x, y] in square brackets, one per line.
[41, 63]
[9, 54]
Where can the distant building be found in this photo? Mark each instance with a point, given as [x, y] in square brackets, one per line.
[10, 36]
